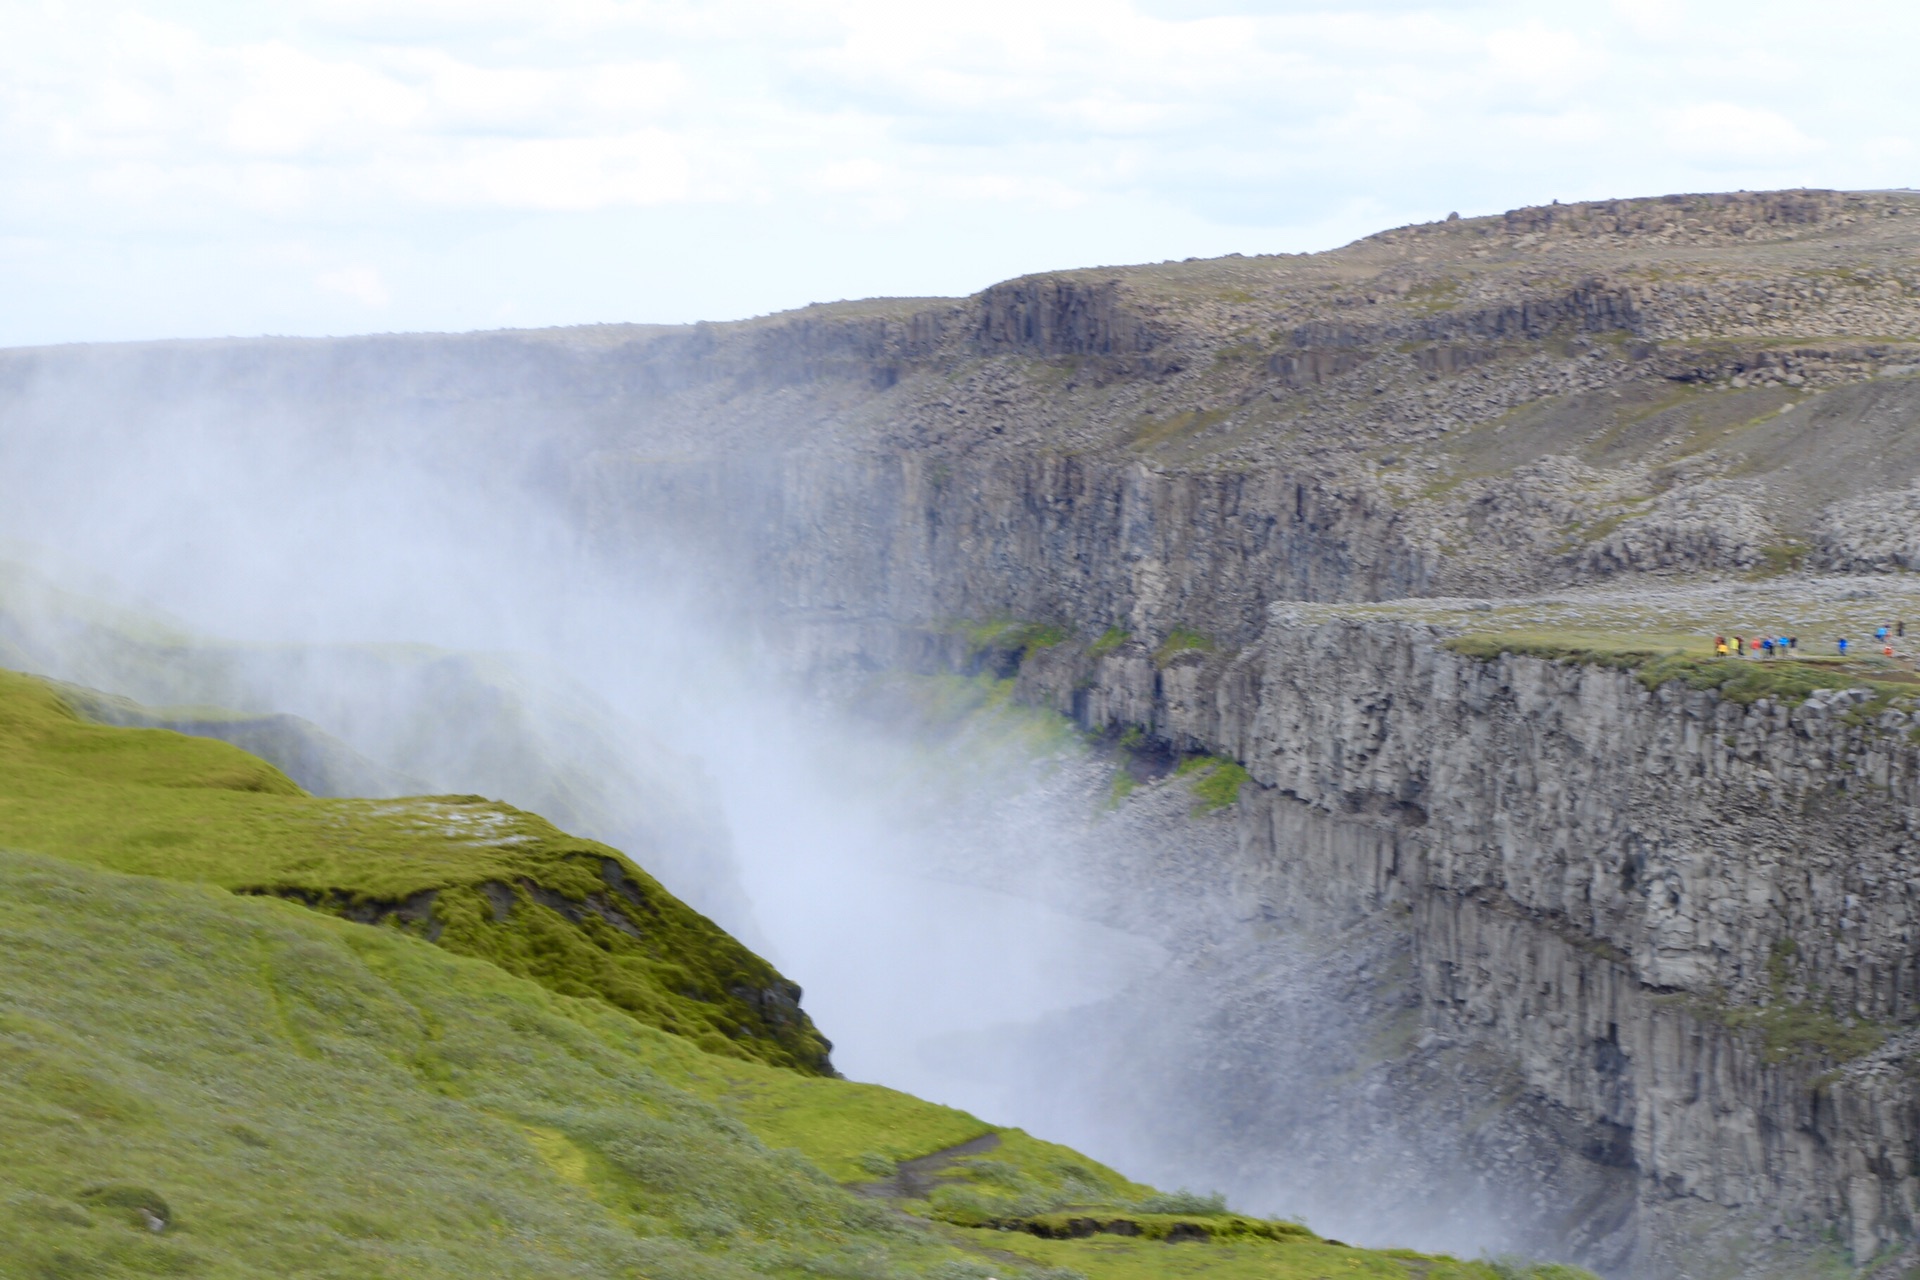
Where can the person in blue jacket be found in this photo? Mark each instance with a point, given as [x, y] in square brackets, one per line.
[1843, 646]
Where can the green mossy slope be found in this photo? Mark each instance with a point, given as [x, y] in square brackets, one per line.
[477, 877]
[319, 762]
[297, 1095]
[194, 1083]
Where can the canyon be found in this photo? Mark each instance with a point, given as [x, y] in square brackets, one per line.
[1632, 959]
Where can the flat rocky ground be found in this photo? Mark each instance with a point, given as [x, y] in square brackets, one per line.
[1684, 616]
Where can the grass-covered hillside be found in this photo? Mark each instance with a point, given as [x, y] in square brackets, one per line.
[476, 877]
[201, 1082]
[306, 753]
[399, 720]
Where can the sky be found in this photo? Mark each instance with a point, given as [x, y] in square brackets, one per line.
[188, 168]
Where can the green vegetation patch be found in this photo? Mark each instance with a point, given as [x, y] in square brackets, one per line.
[978, 712]
[1010, 1186]
[1792, 1030]
[1218, 783]
[197, 1084]
[1021, 1175]
[1181, 640]
[1122, 1258]
[474, 876]
[1523, 1269]
[1009, 635]
[1433, 296]
[1741, 680]
[1042, 1190]
[1747, 680]
[1801, 1029]
[1151, 433]
[1110, 639]
[1782, 558]
[1486, 646]
[840, 1124]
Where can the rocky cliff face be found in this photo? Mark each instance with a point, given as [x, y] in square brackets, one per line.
[1666, 929]
[1687, 922]
[1564, 394]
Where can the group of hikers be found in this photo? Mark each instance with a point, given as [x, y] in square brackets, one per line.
[1768, 646]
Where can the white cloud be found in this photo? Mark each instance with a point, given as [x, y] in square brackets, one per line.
[860, 173]
[1649, 19]
[160, 110]
[963, 142]
[1725, 134]
[555, 174]
[362, 284]
[1543, 58]
[278, 101]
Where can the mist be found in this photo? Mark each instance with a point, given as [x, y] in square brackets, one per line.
[970, 921]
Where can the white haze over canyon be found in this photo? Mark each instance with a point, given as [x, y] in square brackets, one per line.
[205, 167]
[282, 547]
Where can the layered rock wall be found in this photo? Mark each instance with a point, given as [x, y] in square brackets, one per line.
[920, 541]
[1687, 921]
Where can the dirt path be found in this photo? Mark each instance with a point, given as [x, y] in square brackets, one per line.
[915, 1179]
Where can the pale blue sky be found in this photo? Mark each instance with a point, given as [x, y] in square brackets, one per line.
[182, 168]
